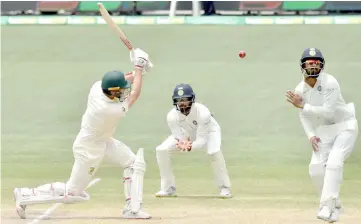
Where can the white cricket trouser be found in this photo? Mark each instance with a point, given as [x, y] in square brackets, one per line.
[326, 166]
[164, 151]
[88, 160]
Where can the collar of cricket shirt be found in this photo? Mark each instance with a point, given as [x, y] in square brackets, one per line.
[317, 84]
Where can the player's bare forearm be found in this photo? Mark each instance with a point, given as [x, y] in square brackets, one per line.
[137, 86]
[130, 77]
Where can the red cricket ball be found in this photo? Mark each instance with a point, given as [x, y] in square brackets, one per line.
[242, 54]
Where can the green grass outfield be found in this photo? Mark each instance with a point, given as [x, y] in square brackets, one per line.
[47, 72]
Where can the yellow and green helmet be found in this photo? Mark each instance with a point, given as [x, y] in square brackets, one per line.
[115, 81]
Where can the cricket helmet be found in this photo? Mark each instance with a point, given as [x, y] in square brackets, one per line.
[115, 84]
[312, 62]
[183, 98]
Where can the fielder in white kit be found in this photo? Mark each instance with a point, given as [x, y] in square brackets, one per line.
[331, 127]
[108, 101]
[192, 128]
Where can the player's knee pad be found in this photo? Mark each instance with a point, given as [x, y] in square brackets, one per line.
[317, 170]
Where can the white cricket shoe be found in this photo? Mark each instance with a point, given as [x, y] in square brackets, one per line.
[20, 209]
[225, 192]
[324, 214]
[330, 211]
[336, 213]
[128, 214]
[171, 192]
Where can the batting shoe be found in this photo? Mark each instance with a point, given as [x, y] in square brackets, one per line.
[128, 214]
[324, 214]
[336, 213]
[328, 211]
[225, 192]
[171, 192]
[20, 209]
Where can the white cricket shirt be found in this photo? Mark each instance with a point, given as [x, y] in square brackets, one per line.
[324, 104]
[196, 125]
[101, 117]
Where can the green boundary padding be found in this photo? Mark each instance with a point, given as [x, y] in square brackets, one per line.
[87, 6]
[302, 5]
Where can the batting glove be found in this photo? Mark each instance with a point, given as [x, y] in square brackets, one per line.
[139, 58]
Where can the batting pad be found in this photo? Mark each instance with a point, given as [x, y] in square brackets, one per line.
[47, 199]
[220, 171]
[136, 191]
[127, 180]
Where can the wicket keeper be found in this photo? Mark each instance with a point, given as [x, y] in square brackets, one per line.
[192, 128]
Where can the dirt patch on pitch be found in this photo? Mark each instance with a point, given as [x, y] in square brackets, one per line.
[185, 214]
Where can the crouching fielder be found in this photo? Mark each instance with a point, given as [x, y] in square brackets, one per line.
[192, 127]
[108, 101]
[331, 127]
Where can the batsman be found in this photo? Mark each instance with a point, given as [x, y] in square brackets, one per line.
[108, 101]
[330, 125]
[192, 128]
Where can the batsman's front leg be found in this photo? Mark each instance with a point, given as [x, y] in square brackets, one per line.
[45, 194]
[133, 176]
[133, 188]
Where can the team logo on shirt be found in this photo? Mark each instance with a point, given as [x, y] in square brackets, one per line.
[195, 122]
[319, 88]
[91, 170]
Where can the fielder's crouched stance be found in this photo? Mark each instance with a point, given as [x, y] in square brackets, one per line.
[108, 101]
[193, 127]
[330, 125]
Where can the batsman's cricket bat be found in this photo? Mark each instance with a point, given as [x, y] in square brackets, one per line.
[120, 34]
[108, 19]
